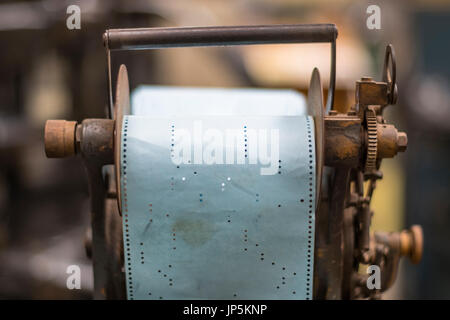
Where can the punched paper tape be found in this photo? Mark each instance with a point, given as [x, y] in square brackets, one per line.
[218, 194]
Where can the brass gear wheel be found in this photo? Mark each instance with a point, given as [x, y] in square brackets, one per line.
[372, 141]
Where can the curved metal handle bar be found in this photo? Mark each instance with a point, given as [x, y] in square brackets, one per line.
[156, 38]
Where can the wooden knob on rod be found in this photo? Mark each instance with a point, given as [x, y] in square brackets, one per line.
[59, 138]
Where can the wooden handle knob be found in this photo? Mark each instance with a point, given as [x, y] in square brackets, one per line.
[412, 243]
[59, 138]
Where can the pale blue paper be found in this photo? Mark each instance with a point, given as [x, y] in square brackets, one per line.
[220, 231]
[179, 101]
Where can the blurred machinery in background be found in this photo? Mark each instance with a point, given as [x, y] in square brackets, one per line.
[350, 146]
[47, 71]
[427, 95]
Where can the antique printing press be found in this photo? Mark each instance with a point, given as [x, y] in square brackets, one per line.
[347, 153]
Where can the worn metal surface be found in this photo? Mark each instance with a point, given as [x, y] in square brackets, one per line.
[355, 145]
[370, 92]
[390, 141]
[340, 185]
[96, 149]
[97, 140]
[343, 140]
[153, 38]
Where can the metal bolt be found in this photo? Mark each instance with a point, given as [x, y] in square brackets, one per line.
[402, 141]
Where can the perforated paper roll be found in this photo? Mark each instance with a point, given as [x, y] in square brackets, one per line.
[173, 101]
[218, 203]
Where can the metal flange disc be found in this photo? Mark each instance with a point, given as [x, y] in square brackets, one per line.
[316, 110]
[121, 108]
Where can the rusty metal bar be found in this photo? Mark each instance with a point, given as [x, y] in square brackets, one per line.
[154, 38]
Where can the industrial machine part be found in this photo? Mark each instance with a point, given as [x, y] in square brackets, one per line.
[349, 149]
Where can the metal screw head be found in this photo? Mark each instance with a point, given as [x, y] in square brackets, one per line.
[402, 141]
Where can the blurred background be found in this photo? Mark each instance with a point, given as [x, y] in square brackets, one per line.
[50, 72]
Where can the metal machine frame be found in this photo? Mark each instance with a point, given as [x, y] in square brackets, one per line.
[349, 149]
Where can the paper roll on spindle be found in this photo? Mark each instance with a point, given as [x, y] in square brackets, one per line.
[218, 193]
[176, 101]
